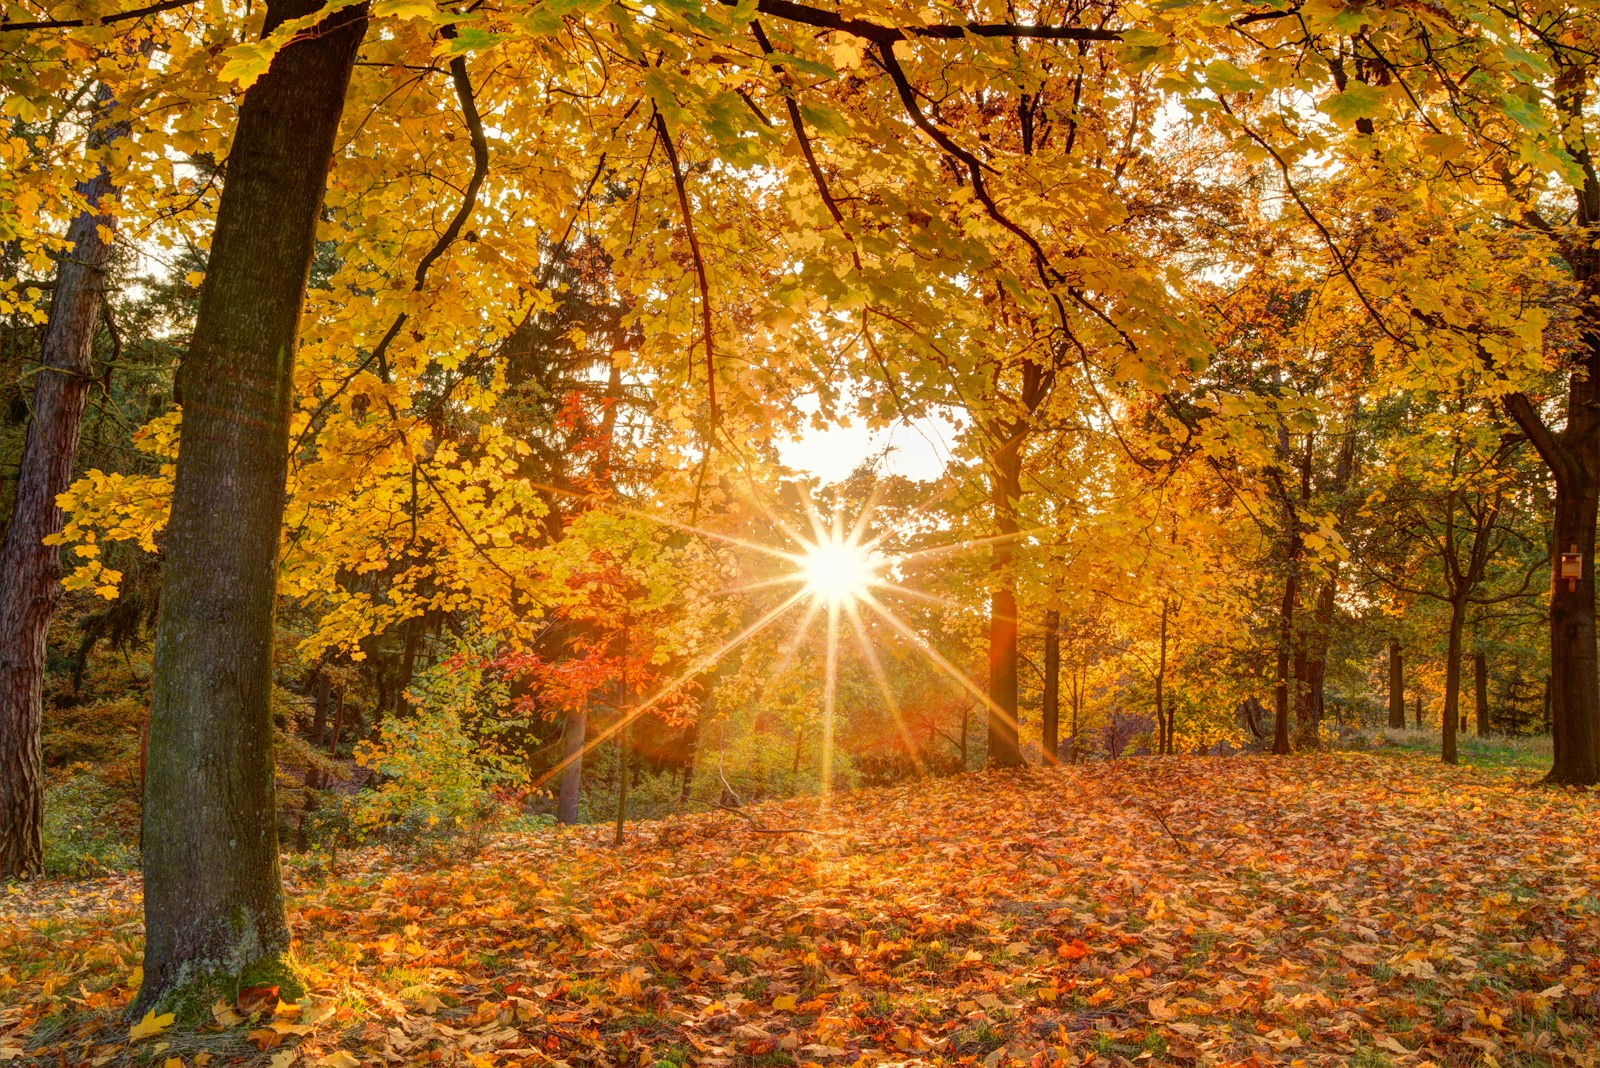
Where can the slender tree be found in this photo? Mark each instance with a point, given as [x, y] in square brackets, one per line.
[30, 570]
[1480, 680]
[1051, 705]
[1397, 685]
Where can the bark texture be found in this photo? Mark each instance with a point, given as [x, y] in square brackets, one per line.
[30, 570]
[213, 894]
[1005, 750]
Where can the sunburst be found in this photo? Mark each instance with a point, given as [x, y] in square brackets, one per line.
[835, 573]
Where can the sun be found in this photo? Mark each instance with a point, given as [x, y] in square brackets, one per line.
[837, 572]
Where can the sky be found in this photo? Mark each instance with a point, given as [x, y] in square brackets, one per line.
[919, 449]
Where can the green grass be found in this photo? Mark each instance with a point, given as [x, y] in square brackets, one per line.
[1491, 751]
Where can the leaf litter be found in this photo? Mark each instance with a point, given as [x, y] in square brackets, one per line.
[1320, 910]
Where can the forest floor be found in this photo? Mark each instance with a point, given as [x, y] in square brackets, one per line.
[1362, 909]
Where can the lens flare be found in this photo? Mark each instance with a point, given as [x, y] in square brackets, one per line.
[837, 572]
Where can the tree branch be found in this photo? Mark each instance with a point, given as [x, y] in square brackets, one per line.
[878, 33]
[104, 20]
[700, 275]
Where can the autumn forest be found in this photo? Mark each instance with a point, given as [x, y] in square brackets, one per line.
[799, 532]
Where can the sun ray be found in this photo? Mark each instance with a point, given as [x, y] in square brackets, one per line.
[830, 694]
[937, 658]
[934, 552]
[674, 685]
[881, 677]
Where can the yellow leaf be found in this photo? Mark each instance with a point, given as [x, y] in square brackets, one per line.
[340, 1059]
[784, 1003]
[150, 1025]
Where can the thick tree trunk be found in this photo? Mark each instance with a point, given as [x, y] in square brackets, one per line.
[1005, 750]
[1050, 711]
[1480, 688]
[1397, 685]
[213, 896]
[1452, 683]
[572, 739]
[1574, 673]
[30, 570]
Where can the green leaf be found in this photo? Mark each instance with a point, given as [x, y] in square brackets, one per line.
[1358, 101]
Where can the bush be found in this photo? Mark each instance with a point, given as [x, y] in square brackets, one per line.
[438, 768]
[86, 827]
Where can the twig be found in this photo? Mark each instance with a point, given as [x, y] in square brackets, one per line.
[1162, 820]
[758, 827]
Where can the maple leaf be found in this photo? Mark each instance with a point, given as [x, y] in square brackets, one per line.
[150, 1025]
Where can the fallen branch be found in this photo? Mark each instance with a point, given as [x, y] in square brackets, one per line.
[1162, 820]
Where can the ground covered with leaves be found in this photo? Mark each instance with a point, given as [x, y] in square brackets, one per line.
[1349, 909]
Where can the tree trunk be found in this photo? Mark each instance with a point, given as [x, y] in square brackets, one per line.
[1549, 727]
[1078, 674]
[30, 570]
[338, 722]
[1574, 679]
[1163, 723]
[1005, 750]
[622, 735]
[1280, 718]
[319, 720]
[966, 715]
[622, 782]
[1397, 686]
[692, 746]
[572, 740]
[213, 896]
[1419, 711]
[1480, 686]
[1452, 683]
[410, 645]
[1050, 712]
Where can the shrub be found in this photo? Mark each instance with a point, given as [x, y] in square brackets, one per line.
[87, 827]
[439, 767]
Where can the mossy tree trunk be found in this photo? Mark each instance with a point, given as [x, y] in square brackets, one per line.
[213, 896]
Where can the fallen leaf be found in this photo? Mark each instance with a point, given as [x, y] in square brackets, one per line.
[150, 1025]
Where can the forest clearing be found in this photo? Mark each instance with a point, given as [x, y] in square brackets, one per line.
[799, 532]
[1328, 910]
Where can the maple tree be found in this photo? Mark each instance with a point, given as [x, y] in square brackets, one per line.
[503, 313]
